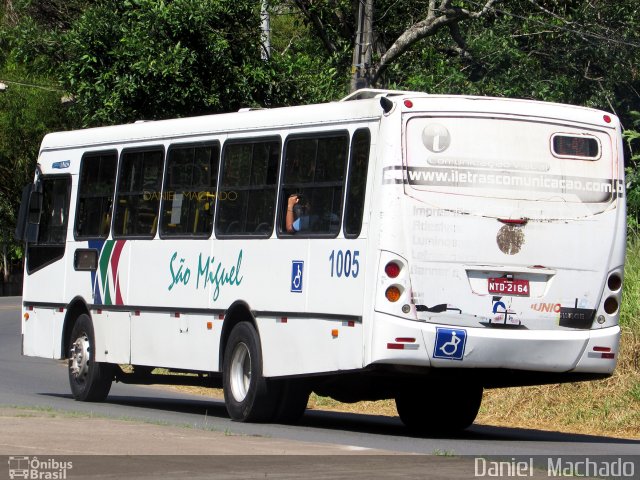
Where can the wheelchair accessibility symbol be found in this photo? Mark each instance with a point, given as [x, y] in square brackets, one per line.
[297, 267]
[450, 343]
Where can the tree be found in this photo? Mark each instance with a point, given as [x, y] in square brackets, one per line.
[437, 17]
[155, 59]
[26, 115]
[583, 52]
[632, 137]
[421, 20]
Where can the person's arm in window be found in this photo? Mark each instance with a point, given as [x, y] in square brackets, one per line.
[289, 219]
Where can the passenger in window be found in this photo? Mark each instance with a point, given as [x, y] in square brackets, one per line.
[299, 217]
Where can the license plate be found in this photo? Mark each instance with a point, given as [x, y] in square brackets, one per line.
[504, 286]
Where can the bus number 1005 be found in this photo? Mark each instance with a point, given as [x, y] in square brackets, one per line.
[344, 263]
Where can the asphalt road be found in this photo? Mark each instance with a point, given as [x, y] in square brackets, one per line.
[42, 383]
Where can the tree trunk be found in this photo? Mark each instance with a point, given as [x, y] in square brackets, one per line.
[5, 263]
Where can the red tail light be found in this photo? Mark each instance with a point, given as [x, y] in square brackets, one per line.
[392, 269]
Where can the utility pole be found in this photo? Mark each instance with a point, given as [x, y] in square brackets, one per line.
[362, 52]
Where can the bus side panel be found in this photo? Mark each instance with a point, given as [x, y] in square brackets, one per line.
[181, 341]
[113, 336]
[173, 274]
[308, 345]
[169, 276]
[336, 276]
[42, 333]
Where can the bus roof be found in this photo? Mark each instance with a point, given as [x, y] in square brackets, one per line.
[363, 105]
[255, 121]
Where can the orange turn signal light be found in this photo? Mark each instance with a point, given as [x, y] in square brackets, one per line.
[392, 293]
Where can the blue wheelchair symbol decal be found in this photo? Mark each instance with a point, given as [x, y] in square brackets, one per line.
[450, 343]
[297, 267]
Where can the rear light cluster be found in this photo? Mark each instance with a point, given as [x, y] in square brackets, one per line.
[403, 343]
[611, 304]
[393, 292]
[603, 352]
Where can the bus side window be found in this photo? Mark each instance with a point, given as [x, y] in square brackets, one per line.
[52, 231]
[189, 191]
[95, 195]
[357, 183]
[314, 171]
[138, 195]
[247, 195]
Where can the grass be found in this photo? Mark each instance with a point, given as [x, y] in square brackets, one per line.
[608, 407]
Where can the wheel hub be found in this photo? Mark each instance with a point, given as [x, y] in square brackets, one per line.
[240, 375]
[79, 357]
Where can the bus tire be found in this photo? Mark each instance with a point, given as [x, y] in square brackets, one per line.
[248, 396]
[90, 381]
[293, 401]
[442, 409]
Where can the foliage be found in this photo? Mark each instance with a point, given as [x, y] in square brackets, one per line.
[569, 52]
[26, 115]
[632, 138]
[155, 59]
[158, 59]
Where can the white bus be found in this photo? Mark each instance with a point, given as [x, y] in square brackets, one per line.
[391, 245]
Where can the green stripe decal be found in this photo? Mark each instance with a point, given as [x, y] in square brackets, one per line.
[104, 261]
[107, 297]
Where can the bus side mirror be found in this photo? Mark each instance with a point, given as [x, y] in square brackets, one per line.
[29, 215]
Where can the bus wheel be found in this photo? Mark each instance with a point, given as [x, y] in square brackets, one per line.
[248, 396]
[293, 401]
[90, 381]
[443, 408]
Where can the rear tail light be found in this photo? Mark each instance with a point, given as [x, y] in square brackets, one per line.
[392, 269]
[614, 282]
[611, 305]
[601, 349]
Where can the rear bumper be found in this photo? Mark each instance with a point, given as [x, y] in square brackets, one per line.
[402, 342]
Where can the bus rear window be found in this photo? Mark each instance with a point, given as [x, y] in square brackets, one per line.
[569, 146]
[509, 159]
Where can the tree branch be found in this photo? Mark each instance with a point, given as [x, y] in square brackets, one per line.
[454, 30]
[549, 12]
[436, 18]
[316, 22]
